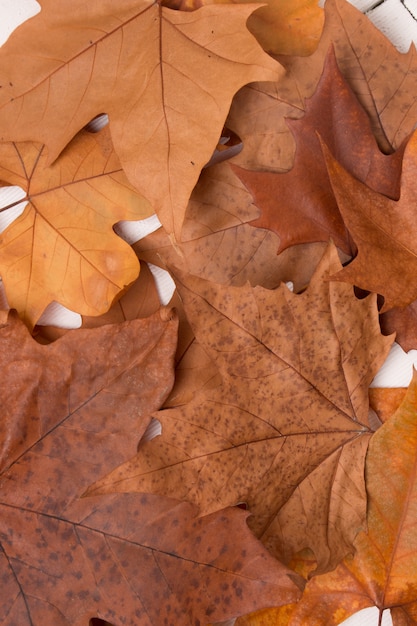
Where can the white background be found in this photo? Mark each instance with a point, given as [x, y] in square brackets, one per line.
[398, 21]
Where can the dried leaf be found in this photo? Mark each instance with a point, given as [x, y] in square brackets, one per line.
[383, 571]
[296, 370]
[165, 78]
[383, 80]
[299, 205]
[402, 321]
[383, 231]
[63, 248]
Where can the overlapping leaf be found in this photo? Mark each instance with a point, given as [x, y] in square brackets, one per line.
[383, 230]
[300, 205]
[383, 79]
[383, 571]
[63, 247]
[165, 78]
[293, 407]
[402, 321]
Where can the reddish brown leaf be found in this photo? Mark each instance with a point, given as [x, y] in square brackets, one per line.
[383, 80]
[300, 205]
[383, 571]
[402, 321]
[293, 407]
[383, 230]
[63, 247]
[71, 410]
[165, 78]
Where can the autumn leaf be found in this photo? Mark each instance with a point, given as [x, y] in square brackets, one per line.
[382, 572]
[383, 231]
[383, 80]
[165, 78]
[292, 409]
[63, 248]
[299, 205]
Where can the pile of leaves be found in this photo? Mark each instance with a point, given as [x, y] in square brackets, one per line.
[276, 147]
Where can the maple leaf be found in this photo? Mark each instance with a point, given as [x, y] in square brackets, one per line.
[299, 205]
[63, 247]
[382, 572]
[293, 402]
[383, 231]
[165, 78]
[383, 80]
[72, 410]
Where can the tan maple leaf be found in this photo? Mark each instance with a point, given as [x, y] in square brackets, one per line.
[63, 247]
[289, 423]
[165, 78]
[382, 572]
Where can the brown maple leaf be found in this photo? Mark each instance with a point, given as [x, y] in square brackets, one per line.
[71, 410]
[382, 572]
[291, 413]
[383, 230]
[165, 78]
[383, 79]
[300, 205]
[402, 321]
[63, 247]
